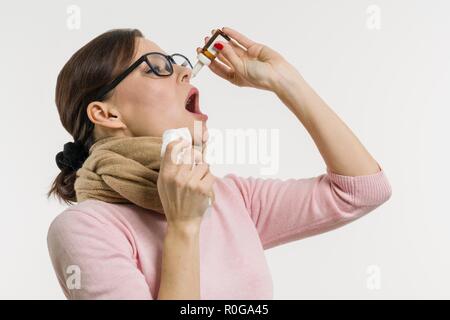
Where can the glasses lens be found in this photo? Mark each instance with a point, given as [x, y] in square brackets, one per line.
[159, 64]
[181, 61]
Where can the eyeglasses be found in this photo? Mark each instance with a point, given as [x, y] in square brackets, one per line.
[158, 63]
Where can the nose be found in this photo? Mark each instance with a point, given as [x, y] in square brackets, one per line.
[184, 73]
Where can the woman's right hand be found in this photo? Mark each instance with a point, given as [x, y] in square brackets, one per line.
[184, 192]
[247, 63]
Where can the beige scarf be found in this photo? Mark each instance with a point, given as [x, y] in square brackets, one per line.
[122, 170]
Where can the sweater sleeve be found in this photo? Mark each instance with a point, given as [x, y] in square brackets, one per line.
[94, 259]
[289, 210]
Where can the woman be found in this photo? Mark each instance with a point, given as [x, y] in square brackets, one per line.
[138, 230]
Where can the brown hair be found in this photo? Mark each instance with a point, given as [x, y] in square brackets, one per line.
[89, 69]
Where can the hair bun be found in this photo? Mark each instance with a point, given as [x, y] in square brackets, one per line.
[72, 156]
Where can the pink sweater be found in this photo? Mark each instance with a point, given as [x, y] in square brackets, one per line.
[115, 250]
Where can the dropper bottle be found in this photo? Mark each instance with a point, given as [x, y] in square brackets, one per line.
[208, 52]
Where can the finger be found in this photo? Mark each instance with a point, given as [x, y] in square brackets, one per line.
[205, 136]
[229, 54]
[240, 49]
[172, 151]
[184, 163]
[221, 58]
[198, 155]
[199, 171]
[206, 185]
[205, 148]
[198, 134]
[219, 68]
[190, 157]
[184, 158]
[243, 40]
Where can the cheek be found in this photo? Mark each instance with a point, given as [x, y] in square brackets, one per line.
[138, 93]
[143, 92]
[150, 108]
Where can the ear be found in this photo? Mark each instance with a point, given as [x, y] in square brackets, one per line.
[105, 114]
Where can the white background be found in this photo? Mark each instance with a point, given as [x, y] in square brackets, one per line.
[390, 85]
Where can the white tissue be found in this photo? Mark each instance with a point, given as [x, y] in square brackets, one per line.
[173, 134]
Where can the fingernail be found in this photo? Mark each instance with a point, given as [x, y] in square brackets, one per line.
[218, 46]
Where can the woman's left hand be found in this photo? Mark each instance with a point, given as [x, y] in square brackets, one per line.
[247, 63]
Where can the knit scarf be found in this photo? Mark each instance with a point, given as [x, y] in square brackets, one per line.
[122, 170]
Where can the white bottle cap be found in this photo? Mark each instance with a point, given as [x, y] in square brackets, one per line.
[202, 61]
[196, 68]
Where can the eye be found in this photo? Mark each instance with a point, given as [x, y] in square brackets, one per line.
[156, 68]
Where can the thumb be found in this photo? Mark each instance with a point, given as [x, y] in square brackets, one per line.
[228, 52]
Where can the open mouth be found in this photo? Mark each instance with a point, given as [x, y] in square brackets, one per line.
[192, 104]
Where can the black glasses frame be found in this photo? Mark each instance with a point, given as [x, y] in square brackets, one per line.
[126, 72]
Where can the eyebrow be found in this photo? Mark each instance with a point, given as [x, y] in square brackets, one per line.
[163, 52]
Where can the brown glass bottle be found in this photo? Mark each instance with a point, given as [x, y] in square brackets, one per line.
[208, 52]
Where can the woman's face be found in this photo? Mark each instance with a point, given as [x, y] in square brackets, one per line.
[144, 104]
